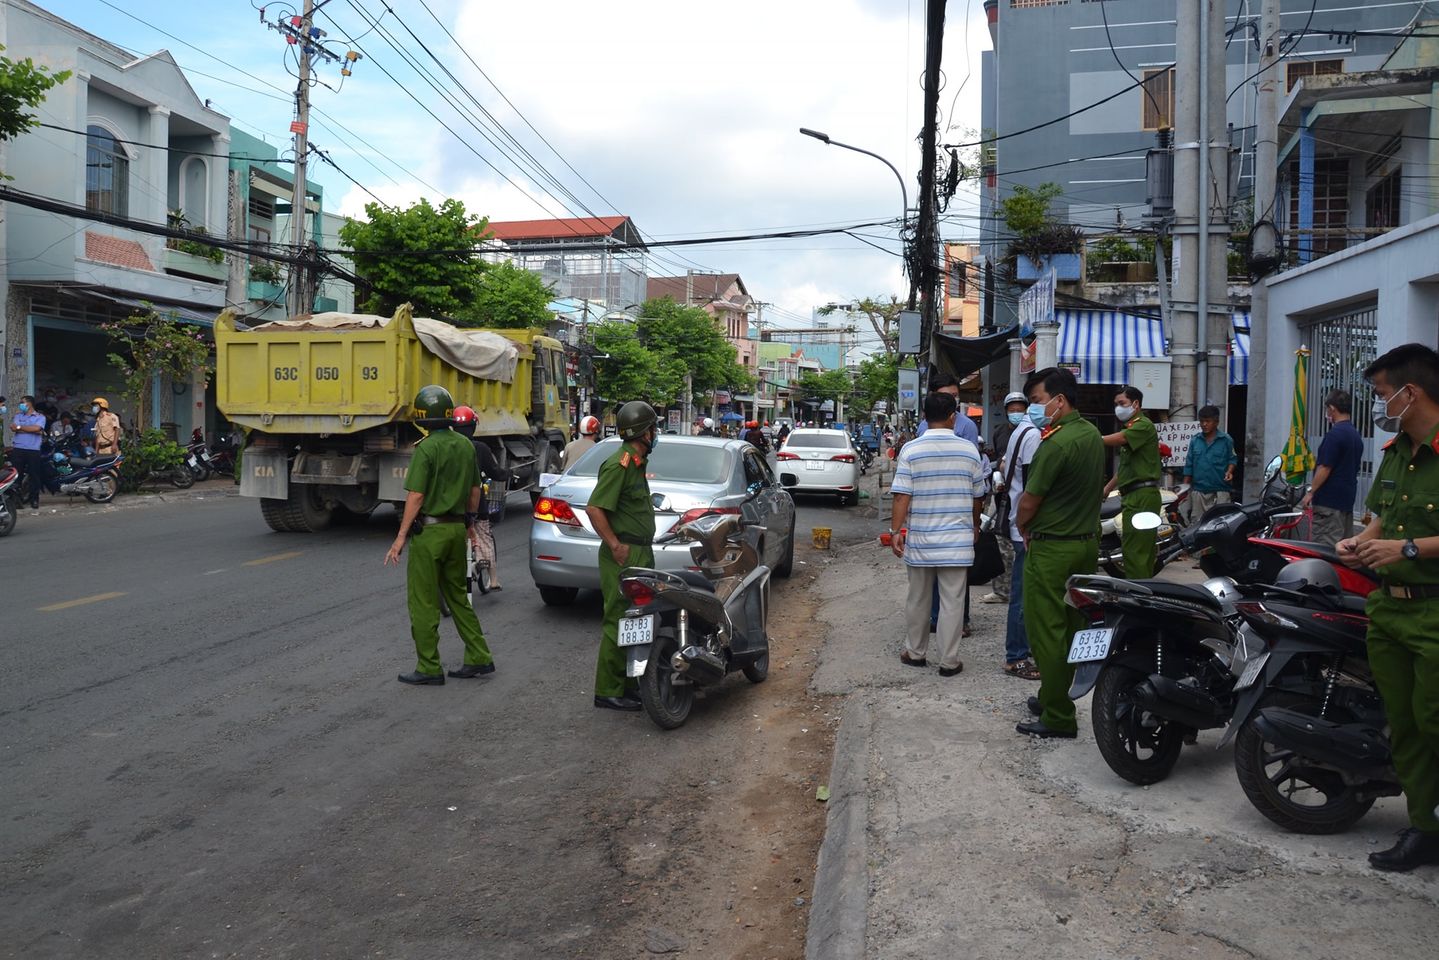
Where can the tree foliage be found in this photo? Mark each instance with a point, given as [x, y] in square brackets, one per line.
[147, 346]
[22, 88]
[1026, 212]
[829, 385]
[632, 371]
[689, 335]
[510, 297]
[878, 379]
[883, 316]
[438, 284]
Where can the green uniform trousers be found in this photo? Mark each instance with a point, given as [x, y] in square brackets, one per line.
[610, 667]
[437, 568]
[1140, 547]
[1404, 657]
[1051, 623]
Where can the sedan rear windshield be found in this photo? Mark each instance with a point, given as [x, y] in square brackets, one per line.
[682, 462]
[828, 440]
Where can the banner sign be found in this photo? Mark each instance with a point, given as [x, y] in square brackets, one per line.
[1176, 435]
[1036, 305]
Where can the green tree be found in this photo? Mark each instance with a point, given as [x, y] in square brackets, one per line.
[632, 371]
[22, 88]
[420, 255]
[147, 346]
[878, 379]
[1026, 212]
[883, 316]
[510, 297]
[830, 385]
[688, 336]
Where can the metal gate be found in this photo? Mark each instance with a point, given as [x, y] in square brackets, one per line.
[1342, 346]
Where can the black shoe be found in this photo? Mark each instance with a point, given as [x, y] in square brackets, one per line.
[1033, 704]
[908, 661]
[422, 679]
[1035, 728]
[473, 670]
[626, 704]
[933, 626]
[951, 671]
[1414, 849]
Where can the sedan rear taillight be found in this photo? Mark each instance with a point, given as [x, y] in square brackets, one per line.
[552, 510]
[782, 455]
[843, 457]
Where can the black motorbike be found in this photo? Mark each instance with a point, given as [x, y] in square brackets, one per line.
[1310, 744]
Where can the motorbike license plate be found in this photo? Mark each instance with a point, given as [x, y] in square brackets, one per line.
[814, 464]
[1090, 645]
[191, 460]
[636, 631]
[1252, 670]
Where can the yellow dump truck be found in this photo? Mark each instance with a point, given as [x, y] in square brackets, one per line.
[325, 401]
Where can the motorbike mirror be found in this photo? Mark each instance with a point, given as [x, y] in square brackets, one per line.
[1273, 468]
[661, 503]
[1146, 521]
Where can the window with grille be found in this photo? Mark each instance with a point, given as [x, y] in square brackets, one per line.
[1331, 206]
[1343, 345]
[1038, 3]
[262, 207]
[1158, 98]
[1381, 203]
[107, 173]
[1296, 70]
[956, 280]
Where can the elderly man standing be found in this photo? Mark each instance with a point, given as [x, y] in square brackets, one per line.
[1209, 467]
[938, 492]
[1059, 517]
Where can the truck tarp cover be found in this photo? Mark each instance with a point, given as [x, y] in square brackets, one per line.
[479, 353]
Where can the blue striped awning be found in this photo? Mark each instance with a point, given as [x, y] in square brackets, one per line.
[1239, 352]
[1102, 342]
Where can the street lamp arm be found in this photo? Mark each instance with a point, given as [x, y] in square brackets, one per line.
[903, 191]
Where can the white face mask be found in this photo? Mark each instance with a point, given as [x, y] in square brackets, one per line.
[95, 409]
[1123, 414]
[1386, 421]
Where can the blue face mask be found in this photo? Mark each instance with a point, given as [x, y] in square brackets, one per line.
[1015, 419]
[1038, 416]
[654, 441]
[24, 407]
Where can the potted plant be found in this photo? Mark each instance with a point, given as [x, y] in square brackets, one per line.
[1040, 240]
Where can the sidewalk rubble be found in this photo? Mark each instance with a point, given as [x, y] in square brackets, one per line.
[949, 835]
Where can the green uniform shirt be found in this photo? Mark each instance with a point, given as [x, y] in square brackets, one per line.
[1139, 457]
[1405, 495]
[1068, 472]
[443, 469]
[623, 493]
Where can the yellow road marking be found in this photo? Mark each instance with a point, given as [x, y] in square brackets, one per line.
[279, 556]
[80, 602]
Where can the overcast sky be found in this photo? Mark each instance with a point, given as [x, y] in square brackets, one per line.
[683, 116]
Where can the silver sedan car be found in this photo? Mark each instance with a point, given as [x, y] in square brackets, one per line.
[693, 475]
[821, 460]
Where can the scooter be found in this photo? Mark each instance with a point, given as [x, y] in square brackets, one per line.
[9, 495]
[97, 479]
[687, 630]
[1111, 547]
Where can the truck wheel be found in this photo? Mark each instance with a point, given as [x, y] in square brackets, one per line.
[274, 513]
[302, 512]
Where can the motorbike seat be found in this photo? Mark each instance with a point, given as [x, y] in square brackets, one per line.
[1182, 591]
[1111, 507]
[84, 461]
[696, 579]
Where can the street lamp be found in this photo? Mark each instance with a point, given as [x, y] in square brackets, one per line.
[904, 194]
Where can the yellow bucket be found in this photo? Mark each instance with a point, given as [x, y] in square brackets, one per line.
[821, 537]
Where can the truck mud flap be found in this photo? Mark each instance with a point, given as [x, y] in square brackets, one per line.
[394, 467]
[265, 472]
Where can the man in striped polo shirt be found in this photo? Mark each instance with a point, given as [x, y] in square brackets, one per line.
[938, 492]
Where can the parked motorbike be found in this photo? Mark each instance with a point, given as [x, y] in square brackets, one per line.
[222, 454]
[1157, 656]
[1310, 747]
[97, 479]
[689, 629]
[197, 456]
[1111, 551]
[9, 499]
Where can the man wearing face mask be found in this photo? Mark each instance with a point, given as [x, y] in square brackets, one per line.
[29, 427]
[1018, 454]
[1401, 544]
[1059, 518]
[107, 428]
[1137, 477]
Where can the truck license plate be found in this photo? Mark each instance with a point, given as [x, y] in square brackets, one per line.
[636, 631]
[1090, 645]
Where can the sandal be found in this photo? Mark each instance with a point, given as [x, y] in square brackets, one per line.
[1023, 669]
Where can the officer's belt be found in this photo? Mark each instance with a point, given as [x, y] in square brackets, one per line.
[1078, 537]
[1129, 488]
[444, 518]
[1419, 591]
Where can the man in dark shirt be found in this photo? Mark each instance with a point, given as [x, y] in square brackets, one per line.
[1336, 473]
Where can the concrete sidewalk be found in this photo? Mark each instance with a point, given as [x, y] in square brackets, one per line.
[56, 506]
[949, 835]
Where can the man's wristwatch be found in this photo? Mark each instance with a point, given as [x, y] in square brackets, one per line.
[1410, 550]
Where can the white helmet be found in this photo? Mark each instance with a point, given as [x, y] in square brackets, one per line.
[590, 425]
[708, 423]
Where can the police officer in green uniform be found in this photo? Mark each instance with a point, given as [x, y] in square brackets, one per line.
[1059, 518]
[444, 496]
[622, 515]
[1137, 477]
[1402, 544]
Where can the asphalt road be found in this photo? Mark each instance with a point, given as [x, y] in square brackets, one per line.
[204, 751]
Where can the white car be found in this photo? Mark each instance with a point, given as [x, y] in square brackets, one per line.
[821, 461]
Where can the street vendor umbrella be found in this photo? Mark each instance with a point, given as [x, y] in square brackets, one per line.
[1298, 461]
[731, 417]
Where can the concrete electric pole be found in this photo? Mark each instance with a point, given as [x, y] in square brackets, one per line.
[1201, 190]
[1262, 237]
[299, 281]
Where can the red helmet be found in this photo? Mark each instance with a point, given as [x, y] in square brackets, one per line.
[589, 426]
[464, 420]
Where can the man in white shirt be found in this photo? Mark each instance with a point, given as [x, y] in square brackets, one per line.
[1023, 442]
[938, 491]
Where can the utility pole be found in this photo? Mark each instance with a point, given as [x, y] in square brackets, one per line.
[1201, 185]
[927, 230]
[1263, 238]
[299, 280]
